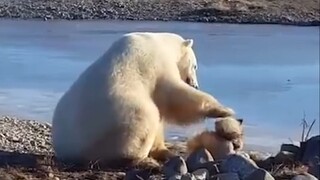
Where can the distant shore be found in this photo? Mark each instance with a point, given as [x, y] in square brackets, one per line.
[289, 12]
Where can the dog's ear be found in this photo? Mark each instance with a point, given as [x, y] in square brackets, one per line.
[240, 121]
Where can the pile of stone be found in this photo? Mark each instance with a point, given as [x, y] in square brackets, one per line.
[32, 137]
[25, 136]
[200, 165]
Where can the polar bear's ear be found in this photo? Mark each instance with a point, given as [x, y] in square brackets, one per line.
[188, 42]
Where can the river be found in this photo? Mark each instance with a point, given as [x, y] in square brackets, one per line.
[269, 74]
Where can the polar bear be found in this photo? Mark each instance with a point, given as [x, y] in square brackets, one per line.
[115, 110]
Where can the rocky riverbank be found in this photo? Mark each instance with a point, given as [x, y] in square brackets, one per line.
[291, 12]
[26, 153]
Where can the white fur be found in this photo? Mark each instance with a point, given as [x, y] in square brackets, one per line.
[114, 109]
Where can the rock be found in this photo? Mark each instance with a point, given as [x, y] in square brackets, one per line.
[266, 164]
[284, 157]
[187, 176]
[226, 176]
[244, 154]
[33, 143]
[211, 166]
[304, 177]
[137, 175]
[259, 156]
[238, 164]
[2, 135]
[310, 155]
[14, 139]
[174, 177]
[201, 174]
[290, 148]
[50, 175]
[198, 158]
[175, 166]
[259, 174]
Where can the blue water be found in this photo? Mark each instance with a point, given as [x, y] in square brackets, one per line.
[269, 74]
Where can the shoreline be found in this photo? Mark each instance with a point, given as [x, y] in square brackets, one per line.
[26, 153]
[303, 24]
[277, 12]
[43, 126]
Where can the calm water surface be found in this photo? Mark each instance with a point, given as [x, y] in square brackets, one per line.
[268, 74]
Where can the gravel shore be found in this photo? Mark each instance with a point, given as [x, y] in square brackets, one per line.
[290, 12]
[26, 154]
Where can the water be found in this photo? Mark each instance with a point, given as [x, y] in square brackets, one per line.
[268, 73]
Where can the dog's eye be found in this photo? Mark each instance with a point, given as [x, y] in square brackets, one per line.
[195, 67]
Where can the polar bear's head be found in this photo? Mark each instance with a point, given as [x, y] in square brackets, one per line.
[188, 64]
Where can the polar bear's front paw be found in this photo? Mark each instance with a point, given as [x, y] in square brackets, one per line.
[220, 112]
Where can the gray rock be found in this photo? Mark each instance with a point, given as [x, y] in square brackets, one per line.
[290, 148]
[137, 175]
[238, 164]
[14, 139]
[187, 176]
[311, 155]
[226, 176]
[262, 159]
[304, 177]
[196, 159]
[175, 166]
[260, 174]
[175, 177]
[244, 154]
[211, 166]
[284, 157]
[201, 174]
[2, 135]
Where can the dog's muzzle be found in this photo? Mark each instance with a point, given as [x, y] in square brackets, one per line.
[191, 83]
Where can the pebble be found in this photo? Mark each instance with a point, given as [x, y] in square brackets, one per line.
[137, 175]
[284, 157]
[175, 166]
[238, 164]
[259, 174]
[226, 176]
[2, 135]
[24, 136]
[311, 155]
[196, 159]
[201, 174]
[259, 156]
[304, 177]
[50, 175]
[188, 176]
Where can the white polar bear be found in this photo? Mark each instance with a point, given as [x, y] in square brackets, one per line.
[115, 110]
